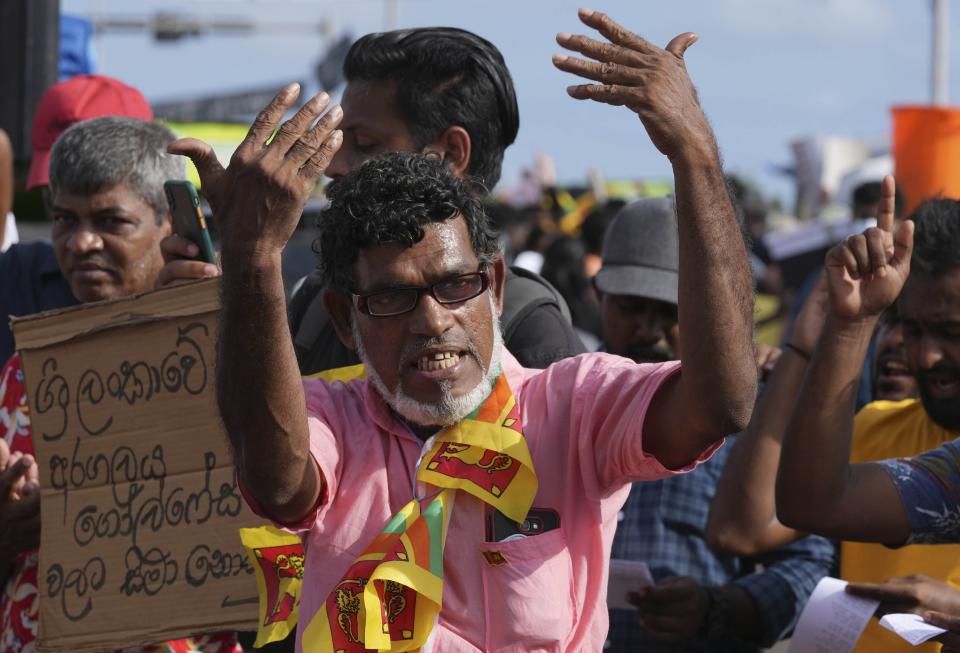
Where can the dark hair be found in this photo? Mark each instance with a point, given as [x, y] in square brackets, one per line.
[868, 193]
[445, 77]
[390, 200]
[936, 243]
[563, 267]
[95, 154]
[595, 225]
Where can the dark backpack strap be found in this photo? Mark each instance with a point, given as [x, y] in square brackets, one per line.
[525, 292]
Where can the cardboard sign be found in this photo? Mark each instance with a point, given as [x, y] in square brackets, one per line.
[140, 512]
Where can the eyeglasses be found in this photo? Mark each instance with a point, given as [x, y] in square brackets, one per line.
[397, 301]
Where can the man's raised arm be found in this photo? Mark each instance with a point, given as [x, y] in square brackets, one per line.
[818, 490]
[257, 201]
[715, 393]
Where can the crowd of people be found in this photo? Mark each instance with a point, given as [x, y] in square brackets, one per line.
[609, 370]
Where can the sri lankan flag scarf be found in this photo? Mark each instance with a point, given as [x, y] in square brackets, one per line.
[390, 597]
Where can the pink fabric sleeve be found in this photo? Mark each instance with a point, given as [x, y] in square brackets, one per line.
[609, 408]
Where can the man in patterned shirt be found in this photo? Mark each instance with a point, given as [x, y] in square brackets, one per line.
[894, 502]
[109, 213]
[702, 601]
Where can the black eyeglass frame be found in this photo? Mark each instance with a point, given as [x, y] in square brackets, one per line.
[361, 300]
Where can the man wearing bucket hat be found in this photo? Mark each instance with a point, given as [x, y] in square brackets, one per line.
[700, 601]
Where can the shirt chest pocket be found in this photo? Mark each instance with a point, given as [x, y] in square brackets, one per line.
[528, 593]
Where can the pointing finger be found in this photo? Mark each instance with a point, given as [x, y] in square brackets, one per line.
[903, 247]
[885, 212]
[877, 249]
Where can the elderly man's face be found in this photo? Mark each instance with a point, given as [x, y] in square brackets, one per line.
[644, 330]
[107, 243]
[435, 363]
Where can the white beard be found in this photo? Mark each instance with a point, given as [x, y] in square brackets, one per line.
[449, 409]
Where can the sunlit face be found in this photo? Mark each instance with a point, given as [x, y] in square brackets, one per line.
[443, 356]
[892, 378]
[929, 309]
[371, 126]
[644, 330]
[107, 243]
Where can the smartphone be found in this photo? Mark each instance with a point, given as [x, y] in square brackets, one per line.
[188, 219]
[500, 527]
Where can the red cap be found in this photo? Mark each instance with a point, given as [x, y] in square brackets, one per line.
[79, 98]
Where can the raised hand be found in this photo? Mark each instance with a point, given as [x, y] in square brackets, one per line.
[259, 198]
[19, 507]
[650, 81]
[865, 273]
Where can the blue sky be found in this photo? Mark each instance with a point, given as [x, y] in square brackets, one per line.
[767, 71]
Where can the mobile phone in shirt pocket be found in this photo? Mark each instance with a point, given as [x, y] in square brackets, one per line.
[528, 593]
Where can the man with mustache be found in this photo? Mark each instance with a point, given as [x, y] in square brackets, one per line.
[503, 482]
[903, 500]
[743, 519]
[702, 601]
[109, 213]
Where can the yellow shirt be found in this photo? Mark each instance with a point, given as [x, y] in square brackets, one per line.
[886, 429]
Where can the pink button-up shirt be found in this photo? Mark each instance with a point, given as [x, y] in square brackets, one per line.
[583, 421]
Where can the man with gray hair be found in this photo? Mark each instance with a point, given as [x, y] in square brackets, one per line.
[701, 601]
[109, 214]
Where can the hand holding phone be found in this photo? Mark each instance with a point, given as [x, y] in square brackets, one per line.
[188, 220]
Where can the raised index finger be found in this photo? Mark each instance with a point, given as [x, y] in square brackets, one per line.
[888, 204]
[267, 119]
[615, 32]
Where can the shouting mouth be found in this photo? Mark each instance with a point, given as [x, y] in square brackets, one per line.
[440, 360]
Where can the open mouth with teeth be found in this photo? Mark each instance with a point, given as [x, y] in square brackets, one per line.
[893, 368]
[440, 360]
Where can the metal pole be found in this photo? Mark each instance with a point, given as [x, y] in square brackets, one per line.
[940, 56]
[390, 14]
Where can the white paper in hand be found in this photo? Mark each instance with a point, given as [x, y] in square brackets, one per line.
[911, 627]
[626, 576]
[832, 620]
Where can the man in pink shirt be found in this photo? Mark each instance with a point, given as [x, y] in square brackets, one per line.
[415, 283]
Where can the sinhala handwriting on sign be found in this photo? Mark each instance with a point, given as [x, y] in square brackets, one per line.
[183, 369]
[146, 572]
[143, 498]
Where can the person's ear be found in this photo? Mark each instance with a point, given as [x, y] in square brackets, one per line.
[454, 147]
[498, 279]
[340, 309]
